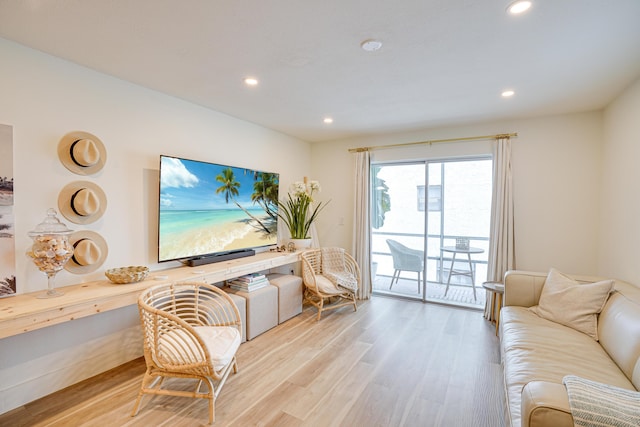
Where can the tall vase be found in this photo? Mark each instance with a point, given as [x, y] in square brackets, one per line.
[50, 250]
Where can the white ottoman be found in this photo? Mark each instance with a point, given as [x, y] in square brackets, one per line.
[262, 309]
[289, 295]
[241, 303]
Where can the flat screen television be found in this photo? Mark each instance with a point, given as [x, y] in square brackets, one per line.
[210, 212]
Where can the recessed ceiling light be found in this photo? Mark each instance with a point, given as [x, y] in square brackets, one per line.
[371, 45]
[519, 6]
[251, 81]
[328, 120]
[508, 93]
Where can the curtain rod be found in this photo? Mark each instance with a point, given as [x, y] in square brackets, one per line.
[434, 141]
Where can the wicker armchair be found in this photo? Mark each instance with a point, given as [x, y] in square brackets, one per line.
[405, 259]
[321, 269]
[191, 330]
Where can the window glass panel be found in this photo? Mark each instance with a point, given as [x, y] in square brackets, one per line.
[434, 202]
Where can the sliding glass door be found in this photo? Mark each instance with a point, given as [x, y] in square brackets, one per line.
[430, 229]
[398, 222]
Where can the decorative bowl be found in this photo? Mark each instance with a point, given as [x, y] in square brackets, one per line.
[123, 275]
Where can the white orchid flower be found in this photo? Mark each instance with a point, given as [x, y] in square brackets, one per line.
[314, 186]
[297, 188]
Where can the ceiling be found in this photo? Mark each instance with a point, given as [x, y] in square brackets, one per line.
[443, 62]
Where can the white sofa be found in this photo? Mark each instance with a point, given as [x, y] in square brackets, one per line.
[538, 353]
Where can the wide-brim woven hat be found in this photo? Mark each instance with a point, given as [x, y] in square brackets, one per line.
[90, 250]
[82, 202]
[82, 153]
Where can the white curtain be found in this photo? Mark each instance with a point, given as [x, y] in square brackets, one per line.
[362, 222]
[502, 240]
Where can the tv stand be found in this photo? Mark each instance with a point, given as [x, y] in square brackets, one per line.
[194, 262]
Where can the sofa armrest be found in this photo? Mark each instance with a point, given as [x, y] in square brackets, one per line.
[523, 288]
[545, 404]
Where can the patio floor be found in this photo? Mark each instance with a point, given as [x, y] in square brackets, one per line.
[459, 294]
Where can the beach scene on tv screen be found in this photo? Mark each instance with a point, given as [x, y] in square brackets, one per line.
[207, 208]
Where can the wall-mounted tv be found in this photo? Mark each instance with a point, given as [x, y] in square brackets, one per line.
[210, 212]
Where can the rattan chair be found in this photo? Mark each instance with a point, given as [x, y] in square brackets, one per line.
[319, 278]
[191, 330]
[405, 259]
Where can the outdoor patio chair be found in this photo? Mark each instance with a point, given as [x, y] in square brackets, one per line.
[330, 275]
[405, 259]
[191, 330]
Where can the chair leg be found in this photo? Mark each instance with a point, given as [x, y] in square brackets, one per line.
[211, 396]
[136, 406]
[213, 393]
[320, 306]
[396, 276]
[147, 377]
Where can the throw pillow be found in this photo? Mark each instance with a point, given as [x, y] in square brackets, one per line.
[576, 305]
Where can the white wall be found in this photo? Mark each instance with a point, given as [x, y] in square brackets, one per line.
[620, 223]
[43, 98]
[556, 175]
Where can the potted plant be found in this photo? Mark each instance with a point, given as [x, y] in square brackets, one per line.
[296, 211]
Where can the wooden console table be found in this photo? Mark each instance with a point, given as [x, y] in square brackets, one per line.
[24, 312]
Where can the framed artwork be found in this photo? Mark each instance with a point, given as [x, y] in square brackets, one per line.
[7, 233]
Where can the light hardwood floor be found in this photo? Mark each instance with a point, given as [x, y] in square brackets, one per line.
[391, 363]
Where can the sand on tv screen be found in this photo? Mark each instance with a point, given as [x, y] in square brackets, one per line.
[208, 209]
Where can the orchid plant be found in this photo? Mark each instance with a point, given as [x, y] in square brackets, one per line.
[297, 211]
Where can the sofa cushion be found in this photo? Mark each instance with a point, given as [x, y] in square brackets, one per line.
[179, 347]
[326, 286]
[537, 349]
[564, 300]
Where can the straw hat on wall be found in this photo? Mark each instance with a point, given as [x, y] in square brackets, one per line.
[82, 202]
[82, 153]
[89, 252]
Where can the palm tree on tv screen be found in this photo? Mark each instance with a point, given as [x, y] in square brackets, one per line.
[265, 193]
[229, 187]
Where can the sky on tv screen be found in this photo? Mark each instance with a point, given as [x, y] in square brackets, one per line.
[190, 185]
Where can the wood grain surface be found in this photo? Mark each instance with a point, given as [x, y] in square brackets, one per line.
[391, 363]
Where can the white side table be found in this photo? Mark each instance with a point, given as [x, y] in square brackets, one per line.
[453, 272]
